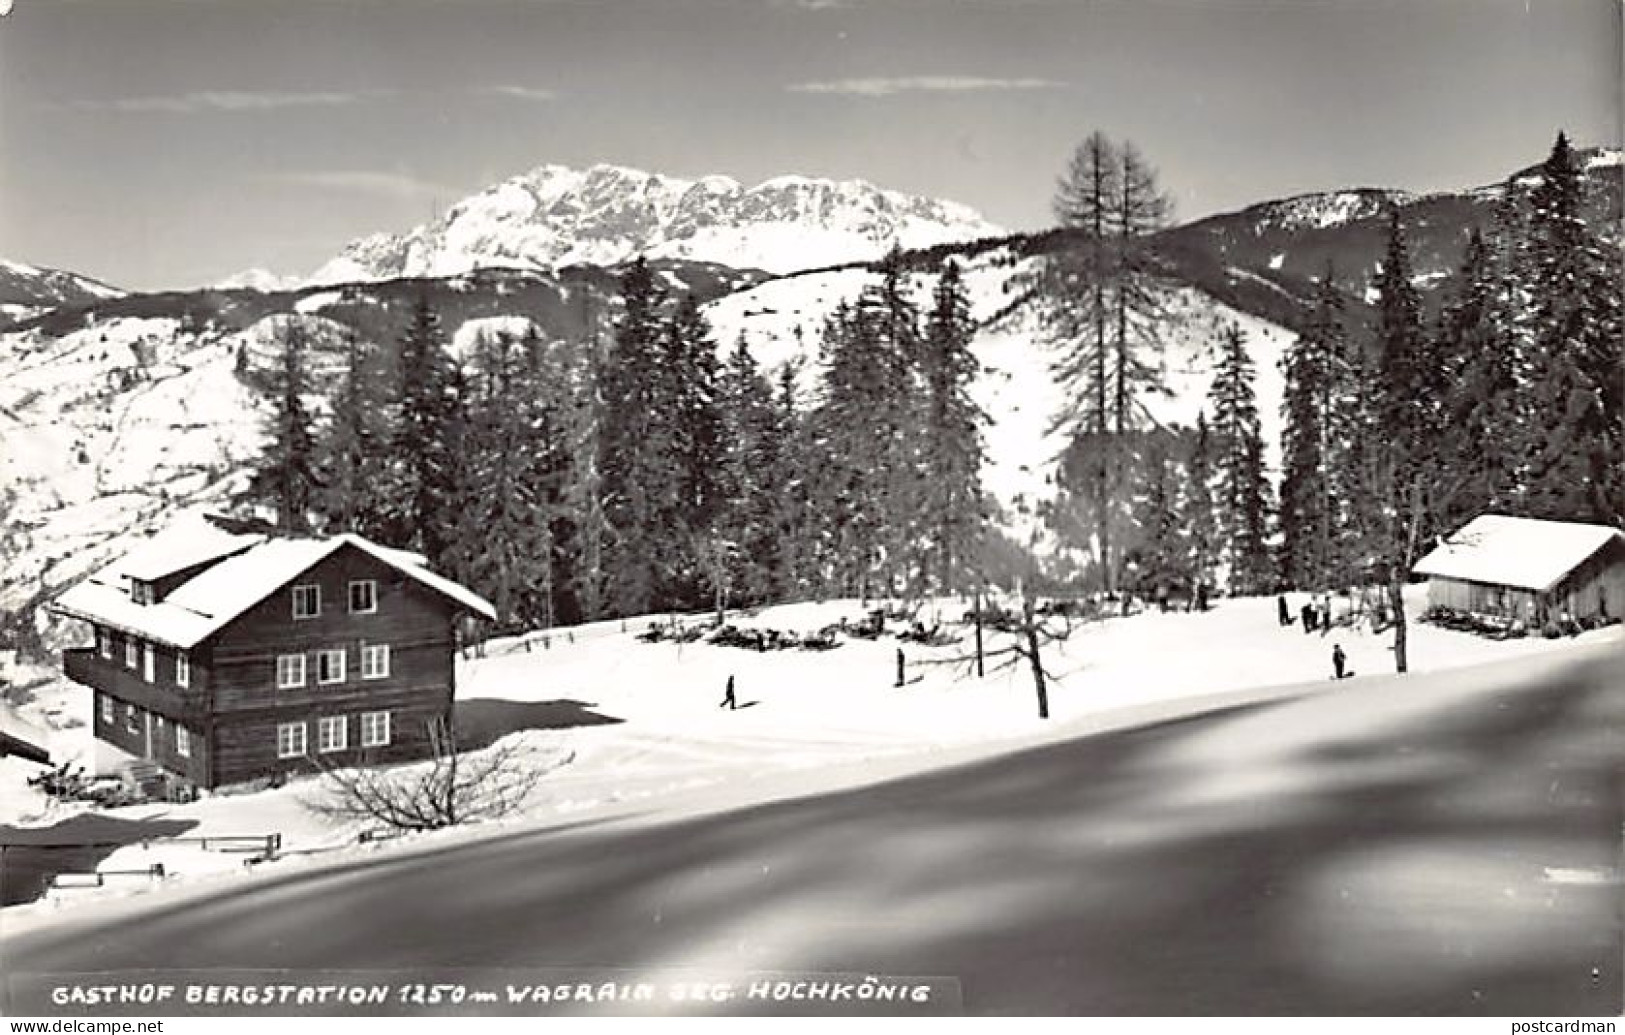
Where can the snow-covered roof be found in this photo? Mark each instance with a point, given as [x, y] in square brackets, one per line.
[211, 600]
[186, 543]
[1509, 551]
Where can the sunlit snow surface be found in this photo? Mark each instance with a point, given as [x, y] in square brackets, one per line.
[647, 722]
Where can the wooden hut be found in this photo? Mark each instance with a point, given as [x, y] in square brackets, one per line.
[1531, 571]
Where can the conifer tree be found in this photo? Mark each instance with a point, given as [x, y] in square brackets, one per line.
[750, 479]
[1161, 556]
[1405, 486]
[1577, 463]
[1198, 513]
[953, 430]
[693, 426]
[511, 451]
[421, 469]
[351, 447]
[1242, 493]
[640, 485]
[583, 524]
[1313, 481]
[288, 475]
[1486, 412]
[1104, 311]
[867, 486]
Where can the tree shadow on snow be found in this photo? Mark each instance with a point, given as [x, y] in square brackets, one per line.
[30, 857]
[483, 721]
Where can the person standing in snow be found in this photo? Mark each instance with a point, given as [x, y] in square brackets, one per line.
[1282, 615]
[1308, 616]
[1338, 660]
[728, 700]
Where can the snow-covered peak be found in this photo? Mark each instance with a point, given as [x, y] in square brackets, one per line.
[554, 216]
[259, 278]
[22, 284]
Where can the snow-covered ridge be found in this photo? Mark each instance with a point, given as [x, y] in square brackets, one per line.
[1323, 211]
[22, 284]
[554, 216]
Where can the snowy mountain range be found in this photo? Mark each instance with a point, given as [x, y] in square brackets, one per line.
[26, 290]
[1293, 240]
[118, 411]
[554, 216]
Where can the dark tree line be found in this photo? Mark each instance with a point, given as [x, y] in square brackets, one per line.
[568, 481]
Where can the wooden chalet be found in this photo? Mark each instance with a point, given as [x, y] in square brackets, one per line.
[224, 657]
[1529, 571]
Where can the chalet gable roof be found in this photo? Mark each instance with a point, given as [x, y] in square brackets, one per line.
[209, 601]
[1523, 553]
[185, 544]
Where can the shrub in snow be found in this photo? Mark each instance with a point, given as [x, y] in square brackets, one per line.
[452, 788]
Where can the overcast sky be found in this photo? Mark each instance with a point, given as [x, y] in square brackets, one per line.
[163, 143]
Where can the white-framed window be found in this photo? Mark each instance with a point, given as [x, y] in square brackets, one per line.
[374, 660]
[183, 669]
[363, 596]
[290, 740]
[149, 662]
[290, 671]
[107, 708]
[332, 733]
[183, 742]
[307, 601]
[129, 719]
[104, 642]
[132, 652]
[141, 592]
[374, 729]
[330, 666]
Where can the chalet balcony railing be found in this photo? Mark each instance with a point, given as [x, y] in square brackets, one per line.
[86, 667]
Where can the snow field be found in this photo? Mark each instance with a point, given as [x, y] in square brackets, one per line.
[828, 712]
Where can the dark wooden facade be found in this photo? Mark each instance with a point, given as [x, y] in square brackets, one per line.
[233, 708]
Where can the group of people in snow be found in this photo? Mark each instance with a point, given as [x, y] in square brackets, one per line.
[1316, 613]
